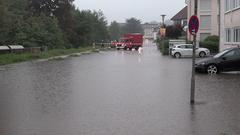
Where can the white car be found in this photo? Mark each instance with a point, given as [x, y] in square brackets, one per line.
[185, 50]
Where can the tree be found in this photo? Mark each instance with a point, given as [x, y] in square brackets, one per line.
[40, 31]
[89, 26]
[114, 31]
[133, 25]
[61, 9]
[174, 31]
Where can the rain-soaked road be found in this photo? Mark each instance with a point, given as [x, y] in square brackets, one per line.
[116, 93]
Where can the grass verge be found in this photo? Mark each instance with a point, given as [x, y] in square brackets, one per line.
[15, 58]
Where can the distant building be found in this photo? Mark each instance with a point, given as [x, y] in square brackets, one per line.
[230, 24]
[150, 31]
[181, 17]
[209, 16]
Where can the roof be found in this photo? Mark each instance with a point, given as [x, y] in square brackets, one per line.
[4, 48]
[181, 14]
[15, 47]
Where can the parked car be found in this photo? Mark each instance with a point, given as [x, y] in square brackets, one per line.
[227, 60]
[185, 50]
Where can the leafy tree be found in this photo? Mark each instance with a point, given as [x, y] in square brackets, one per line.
[52, 23]
[58, 8]
[89, 26]
[40, 31]
[133, 25]
[114, 31]
[174, 31]
[11, 17]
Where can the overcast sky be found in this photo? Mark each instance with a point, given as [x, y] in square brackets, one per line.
[145, 10]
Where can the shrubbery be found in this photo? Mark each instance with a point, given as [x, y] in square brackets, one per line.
[212, 43]
[163, 46]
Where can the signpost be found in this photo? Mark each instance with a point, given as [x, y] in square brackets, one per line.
[193, 27]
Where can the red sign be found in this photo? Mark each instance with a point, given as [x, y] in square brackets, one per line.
[193, 25]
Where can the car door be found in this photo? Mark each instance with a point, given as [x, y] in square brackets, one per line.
[189, 50]
[238, 59]
[182, 50]
[230, 61]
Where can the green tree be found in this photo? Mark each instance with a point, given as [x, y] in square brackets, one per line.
[40, 31]
[114, 31]
[89, 26]
[133, 25]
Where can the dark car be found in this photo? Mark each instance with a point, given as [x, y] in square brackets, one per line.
[227, 60]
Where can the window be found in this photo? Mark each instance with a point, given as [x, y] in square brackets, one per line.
[236, 35]
[232, 54]
[205, 4]
[228, 35]
[236, 3]
[189, 46]
[203, 36]
[231, 4]
[205, 22]
[227, 5]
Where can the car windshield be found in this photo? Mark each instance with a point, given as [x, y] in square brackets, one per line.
[220, 54]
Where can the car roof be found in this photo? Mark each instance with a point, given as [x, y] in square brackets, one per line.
[230, 49]
[182, 44]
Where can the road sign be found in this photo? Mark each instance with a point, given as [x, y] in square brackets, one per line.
[193, 25]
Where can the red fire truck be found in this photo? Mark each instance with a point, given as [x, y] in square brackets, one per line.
[130, 41]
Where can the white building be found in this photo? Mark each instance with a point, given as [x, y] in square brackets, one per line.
[208, 13]
[230, 24]
[150, 30]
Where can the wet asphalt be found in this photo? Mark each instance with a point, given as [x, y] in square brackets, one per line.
[116, 93]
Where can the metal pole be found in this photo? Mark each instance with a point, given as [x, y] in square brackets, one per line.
[192, 101]
[163, 20]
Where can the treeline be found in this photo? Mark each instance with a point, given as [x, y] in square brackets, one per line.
[57, 24]
[52, 23]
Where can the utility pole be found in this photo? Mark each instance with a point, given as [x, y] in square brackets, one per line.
[192, 99]
[163, 19]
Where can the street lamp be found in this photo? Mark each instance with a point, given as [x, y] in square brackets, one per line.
[163, 17]
[162, 28]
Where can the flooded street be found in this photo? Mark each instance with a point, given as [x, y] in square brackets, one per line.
[116, 93]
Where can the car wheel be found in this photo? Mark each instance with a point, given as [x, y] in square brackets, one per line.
[177, 55]
[202, 54]
[212, 69]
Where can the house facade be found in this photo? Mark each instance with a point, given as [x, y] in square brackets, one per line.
[150, 30]
[230, 24]
[181, 17]
[209, 16]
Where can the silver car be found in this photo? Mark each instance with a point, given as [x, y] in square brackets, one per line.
[185, 50]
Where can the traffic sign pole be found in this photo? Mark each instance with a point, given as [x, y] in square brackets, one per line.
[194, 22]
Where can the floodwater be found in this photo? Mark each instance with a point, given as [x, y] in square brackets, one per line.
[116, 93]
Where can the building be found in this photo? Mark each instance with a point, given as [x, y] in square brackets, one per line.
[230, 24]
[150, 30]
[181, 17]
[209, 15]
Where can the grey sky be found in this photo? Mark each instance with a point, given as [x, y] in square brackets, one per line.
[145, 10]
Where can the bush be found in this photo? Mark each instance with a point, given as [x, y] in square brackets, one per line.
[164, 46]
[212, 43]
